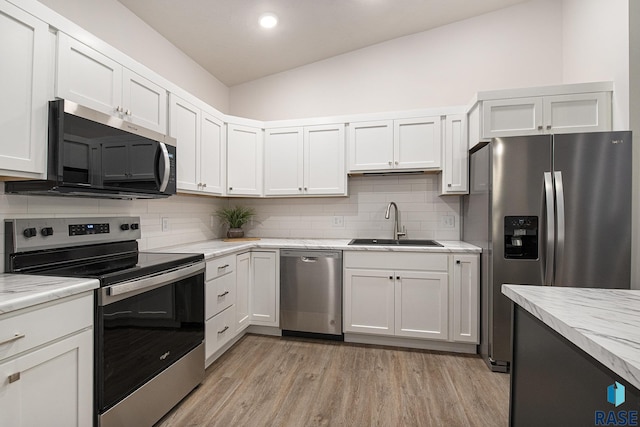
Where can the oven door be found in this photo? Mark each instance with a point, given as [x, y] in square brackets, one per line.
[143, 326]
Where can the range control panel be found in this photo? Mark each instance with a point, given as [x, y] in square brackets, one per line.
[25, 234]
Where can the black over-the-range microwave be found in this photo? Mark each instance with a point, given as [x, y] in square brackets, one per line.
[92, 154]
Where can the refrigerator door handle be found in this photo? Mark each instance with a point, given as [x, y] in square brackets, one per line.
[561, 223]
[549, 215]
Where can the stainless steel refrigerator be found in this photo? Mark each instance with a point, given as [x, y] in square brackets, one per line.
[551, 210]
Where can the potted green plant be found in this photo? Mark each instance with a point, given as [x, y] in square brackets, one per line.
[235, 218]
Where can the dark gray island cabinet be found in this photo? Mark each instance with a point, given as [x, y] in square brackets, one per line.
[576, 356]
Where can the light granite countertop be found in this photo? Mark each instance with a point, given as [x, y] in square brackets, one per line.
[215, 248]
[19, 291]
[605, 323]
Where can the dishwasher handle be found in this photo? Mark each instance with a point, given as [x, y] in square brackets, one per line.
[309, 258]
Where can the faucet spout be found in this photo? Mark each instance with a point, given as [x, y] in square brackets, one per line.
[397, 232]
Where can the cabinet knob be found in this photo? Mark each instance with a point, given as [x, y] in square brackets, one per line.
[390, 163]
[230, 188]
[204, 184]
[128, 112]
[448, 185]
[540, 127]
[548, 127]
[119, 109]
[299, 188]
[305, 188]
[457, 261]
[397, 277]
[390, 277]
[397, 162]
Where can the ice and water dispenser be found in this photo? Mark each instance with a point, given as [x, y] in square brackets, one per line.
[521, 237]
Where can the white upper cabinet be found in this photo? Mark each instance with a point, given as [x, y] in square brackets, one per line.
[25, 85]
[212, 154]
[584, 107]
[244, 160]
[324, 160]
[88, 77]
[305, 161]
[455, 170]
[417, 143]
[200, 140]
[284, 161]
[402, 144]
[371, 145]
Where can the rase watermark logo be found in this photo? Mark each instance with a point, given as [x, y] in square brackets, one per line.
[616, 397]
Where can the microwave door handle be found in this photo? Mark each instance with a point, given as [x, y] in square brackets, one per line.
[167, 167]
[549, 216]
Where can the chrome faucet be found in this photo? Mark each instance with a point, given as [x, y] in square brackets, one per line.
[396, 227]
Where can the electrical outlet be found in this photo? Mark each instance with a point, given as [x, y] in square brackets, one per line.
[338, 221]
[165, 224]
[448, 221]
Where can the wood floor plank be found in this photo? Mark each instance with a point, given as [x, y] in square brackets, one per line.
[274, 381]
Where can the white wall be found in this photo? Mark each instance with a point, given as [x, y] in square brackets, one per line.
[514, 47]
[595, 41]
[363, 211]
[110, 21]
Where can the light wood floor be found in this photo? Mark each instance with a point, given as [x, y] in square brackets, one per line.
[272, 381]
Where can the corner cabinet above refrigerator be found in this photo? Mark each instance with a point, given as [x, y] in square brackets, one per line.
[550, 210]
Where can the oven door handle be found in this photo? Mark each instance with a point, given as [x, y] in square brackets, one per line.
[114, 293]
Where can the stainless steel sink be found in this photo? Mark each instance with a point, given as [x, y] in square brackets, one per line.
[391, 242]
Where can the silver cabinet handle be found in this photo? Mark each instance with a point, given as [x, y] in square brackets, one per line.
[15, 337]
[14, 377]
[119, 109]
[128, 112]
[223, 294]
[223, 267]
[223, 330]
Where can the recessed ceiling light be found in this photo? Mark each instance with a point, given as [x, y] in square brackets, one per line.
[268, 20]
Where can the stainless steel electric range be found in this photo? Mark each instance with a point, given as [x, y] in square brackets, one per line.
[149, 309]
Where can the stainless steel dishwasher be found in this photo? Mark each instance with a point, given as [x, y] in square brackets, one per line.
[311, 292]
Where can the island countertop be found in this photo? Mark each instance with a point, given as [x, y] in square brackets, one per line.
[604, 323]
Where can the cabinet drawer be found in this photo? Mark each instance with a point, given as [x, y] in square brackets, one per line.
[220, 293]
[220, 266]
[219, 330]
[42, 325]
[396, 260]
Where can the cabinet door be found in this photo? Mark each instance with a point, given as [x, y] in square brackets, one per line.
[283, 161]
[50, 386]
[244, 160]
[144, 102]
[417, 143]
[243, 278]
[511, 117]
[185, 128]
[212, 156]
[369, 301]
[25, 53]
[455, 171]
[324, 160]
[371, 145]
[465, 301]
[265, 289]
[422, 304]
[88, 77]
[583, 112]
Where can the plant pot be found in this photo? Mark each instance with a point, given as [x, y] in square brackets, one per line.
[234, 233]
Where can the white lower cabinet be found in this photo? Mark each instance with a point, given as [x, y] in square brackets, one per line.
[243, 278]
[265, 288]
[47, 372]
[220, 298]
[416, 295]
